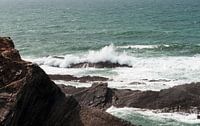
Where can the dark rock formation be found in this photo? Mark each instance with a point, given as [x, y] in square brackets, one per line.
[106, 64]
[29, 98]
[79, 79]
[179, 98]
[7, 49]
[99, 95]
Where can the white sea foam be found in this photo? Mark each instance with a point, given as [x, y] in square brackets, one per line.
[158, 73]
[108, 53]
[154, 115]
[141, 46]
[147, 73]
[71, 83]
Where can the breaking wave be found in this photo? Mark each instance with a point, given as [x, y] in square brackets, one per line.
[106, 54]
[152, 73]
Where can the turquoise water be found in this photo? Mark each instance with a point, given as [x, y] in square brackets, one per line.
[148, 119]
[45, 27]
[165, 33]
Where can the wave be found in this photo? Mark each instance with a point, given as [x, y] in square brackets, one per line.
[106, 54]
[173, 49]
[117, 54]
[142, 46]
[152, 73]
[147, 117]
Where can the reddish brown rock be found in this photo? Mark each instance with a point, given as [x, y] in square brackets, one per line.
[6, 43]
[7, 49]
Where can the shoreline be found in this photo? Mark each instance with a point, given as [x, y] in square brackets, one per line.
[26, 84]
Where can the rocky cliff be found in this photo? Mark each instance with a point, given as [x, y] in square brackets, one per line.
[29, 98]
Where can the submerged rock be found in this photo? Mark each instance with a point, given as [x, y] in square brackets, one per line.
[106, 64]
[29, 98]
[79, 79]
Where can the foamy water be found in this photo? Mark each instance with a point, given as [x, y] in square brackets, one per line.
[142, 46]
[107, 53]
[146, 73]
[154, 117]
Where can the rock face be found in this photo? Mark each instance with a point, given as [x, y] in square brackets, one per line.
[185, 98]
[29, 98]
[99, 95]
[7, 49]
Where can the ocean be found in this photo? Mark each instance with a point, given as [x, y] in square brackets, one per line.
[160, 39]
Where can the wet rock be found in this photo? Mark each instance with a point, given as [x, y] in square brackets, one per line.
[160, 80]
[182, 98]
[79, 79]
[137, 83]
[106, 64]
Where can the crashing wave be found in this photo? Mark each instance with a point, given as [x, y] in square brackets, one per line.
[105, 57]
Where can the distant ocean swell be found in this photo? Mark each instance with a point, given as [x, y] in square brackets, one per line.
[173, 49]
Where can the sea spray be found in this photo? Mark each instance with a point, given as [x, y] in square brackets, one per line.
[106, 54]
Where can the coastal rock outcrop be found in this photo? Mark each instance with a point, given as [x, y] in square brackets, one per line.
[106, 64]
[98, 95]
[29, 98]
[184, 98]
[79, 79]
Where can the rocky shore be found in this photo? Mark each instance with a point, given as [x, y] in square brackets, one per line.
[29, 98]
[183, 98]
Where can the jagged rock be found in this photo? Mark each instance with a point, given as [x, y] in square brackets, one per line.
[179, 98]
[6, 43]
[106, 64]
[29, 98]
[79, 79]
[7, 49]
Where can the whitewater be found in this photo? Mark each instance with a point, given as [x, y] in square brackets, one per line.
[145, 73]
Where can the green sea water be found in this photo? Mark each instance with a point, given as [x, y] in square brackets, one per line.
[48, 27]
[159, 30]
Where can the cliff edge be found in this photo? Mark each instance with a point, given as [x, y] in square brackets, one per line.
[29, 98]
